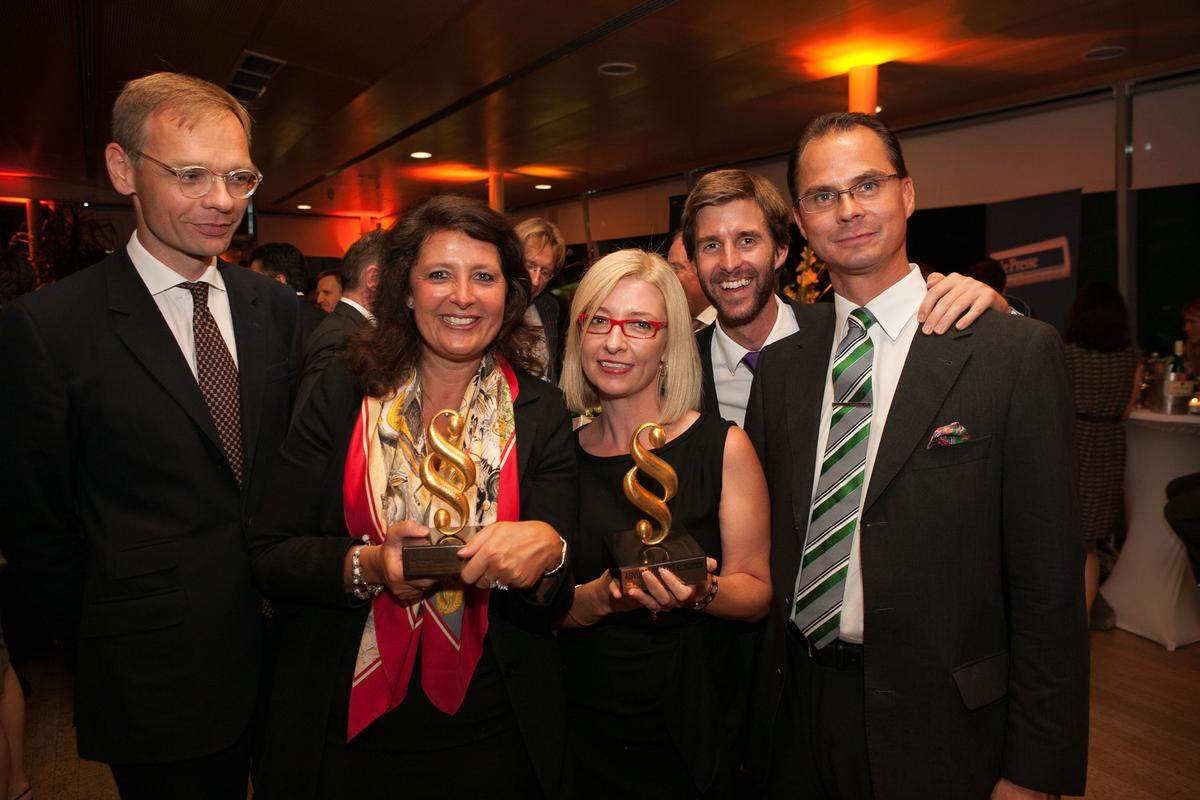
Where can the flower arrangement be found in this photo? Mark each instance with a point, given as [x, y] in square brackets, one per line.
[809, 282]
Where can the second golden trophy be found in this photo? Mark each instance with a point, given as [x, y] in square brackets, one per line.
[653, 545]
[448, 473]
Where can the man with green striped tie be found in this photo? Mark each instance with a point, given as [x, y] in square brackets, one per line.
[927, 637]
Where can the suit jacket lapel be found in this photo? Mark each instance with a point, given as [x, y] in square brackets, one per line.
[932, 367]
[805, 390]
[138, 322]
[704, 339]
[251, 336]
[525, 417]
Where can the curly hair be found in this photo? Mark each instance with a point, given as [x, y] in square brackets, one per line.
[379, 357]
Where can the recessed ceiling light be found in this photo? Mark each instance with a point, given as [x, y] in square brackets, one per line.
[1106, 52]
[543, 186]
[878, 109]
[421, 154]
[617, 69]
[86, 204]
[304, 207]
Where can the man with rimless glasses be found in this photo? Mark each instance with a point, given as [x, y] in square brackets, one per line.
[147, 392]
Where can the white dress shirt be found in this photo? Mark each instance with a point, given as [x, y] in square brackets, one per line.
[359, 307]
[705, 318]
[731, 376]
[895, 311]
[175, 301]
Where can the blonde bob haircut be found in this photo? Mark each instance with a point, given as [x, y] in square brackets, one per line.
[680, 387]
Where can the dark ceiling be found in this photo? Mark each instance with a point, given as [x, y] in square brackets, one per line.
[513, 87]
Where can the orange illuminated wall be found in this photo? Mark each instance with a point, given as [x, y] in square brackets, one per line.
[319, 237]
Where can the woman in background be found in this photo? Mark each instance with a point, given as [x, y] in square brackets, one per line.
[1102, 365]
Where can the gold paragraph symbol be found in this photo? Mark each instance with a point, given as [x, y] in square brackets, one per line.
[446, 455]
[642, 498]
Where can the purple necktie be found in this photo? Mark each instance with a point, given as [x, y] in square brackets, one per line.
[751, 360]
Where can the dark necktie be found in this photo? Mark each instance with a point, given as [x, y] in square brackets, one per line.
[751, 360]
[218, 377]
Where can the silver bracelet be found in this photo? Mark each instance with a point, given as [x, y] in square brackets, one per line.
[360, 588]
[562, 559]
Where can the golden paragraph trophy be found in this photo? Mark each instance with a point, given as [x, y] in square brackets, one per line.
[448, 473]
[653, 545]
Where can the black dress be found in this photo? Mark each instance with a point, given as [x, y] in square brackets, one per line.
[654, 706]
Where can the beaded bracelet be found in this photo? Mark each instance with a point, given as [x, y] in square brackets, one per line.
[703, 602]
[360, 588]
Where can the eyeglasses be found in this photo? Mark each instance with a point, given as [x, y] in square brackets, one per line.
[196, 182]
[825, 199]
[633, 328]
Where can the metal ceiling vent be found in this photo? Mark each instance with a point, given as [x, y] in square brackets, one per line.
[253, 73]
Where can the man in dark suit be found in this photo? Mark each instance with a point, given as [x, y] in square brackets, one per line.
[147, 392]
[735, 231]
[360, 277]
[283, 262]
[545, 252]
[928, 636]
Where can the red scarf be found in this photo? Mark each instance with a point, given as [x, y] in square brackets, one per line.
[447, 662]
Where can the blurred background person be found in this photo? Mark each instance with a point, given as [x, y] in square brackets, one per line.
[360, 277]
[1191, 331]
[283, 262]
[703, 313]
[545, 251]
[329, 290]
[991, 272]
[1102, 365]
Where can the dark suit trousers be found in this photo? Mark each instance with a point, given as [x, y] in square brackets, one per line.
[820, 750]
[222, 775]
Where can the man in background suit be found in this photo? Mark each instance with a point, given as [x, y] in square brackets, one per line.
[283, 262]
[703, 313]
[735, 231]
[360, 277]
[146, 393]
[928, 636]
[545, 252]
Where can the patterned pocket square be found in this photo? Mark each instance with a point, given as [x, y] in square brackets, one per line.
[948, 436]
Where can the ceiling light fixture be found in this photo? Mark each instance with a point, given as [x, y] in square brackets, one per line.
[1105, 52]
[617, 69]
[878, 109]
[542, 186]
[304, 207]
[421, 154]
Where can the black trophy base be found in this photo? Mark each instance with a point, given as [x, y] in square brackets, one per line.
[436, 557]
[679, 552]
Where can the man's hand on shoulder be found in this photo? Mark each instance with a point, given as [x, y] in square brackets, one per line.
[956, 297]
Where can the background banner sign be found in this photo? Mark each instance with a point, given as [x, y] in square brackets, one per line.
[1037, 241]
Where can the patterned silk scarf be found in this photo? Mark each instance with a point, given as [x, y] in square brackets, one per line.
[382, 486]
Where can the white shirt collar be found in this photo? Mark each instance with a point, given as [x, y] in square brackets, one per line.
[158, 277]
[732, 353]
[358, 307]
[892, 308]
[708, 316]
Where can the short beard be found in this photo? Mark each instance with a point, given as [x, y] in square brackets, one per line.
[764, 290]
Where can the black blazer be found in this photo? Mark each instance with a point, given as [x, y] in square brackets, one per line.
[551, 313]
[298, 544]
[122, 513]
[976, 649]
[323, 345]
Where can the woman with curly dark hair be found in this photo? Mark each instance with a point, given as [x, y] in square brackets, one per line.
[384, 683]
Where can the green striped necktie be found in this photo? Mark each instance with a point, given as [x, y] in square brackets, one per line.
[837, 502]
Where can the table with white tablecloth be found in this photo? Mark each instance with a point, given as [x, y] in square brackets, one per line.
[1152, 588]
